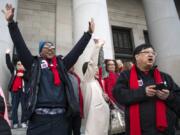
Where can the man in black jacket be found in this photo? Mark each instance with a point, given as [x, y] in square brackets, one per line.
[50, 93]
[150, 97]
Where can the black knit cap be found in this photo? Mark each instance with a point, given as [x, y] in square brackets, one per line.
[42, 44]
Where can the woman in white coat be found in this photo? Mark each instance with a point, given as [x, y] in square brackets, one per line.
[96, 110]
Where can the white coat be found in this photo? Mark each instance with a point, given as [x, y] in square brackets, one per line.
[96, 110]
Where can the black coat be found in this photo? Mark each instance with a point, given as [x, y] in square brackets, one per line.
[12, 70]
[127, 97]
[32, 65]
[4, 127]
[2, 105]
[33, 87]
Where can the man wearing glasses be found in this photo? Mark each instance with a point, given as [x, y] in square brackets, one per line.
[50, 96]
[149, 96]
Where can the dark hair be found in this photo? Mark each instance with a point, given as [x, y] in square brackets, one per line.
[84, 67]
[127, 65]
[139, 48]
[106, 63]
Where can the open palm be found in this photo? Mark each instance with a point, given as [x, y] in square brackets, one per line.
[91, 26]
[9, 12]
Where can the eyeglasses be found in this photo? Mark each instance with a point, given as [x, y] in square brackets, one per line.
[19, 64]
[147, 53]
[49, 46]
[111, 64]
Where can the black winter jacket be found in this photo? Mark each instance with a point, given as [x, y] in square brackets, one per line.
[2, 105]
[12, 69]
[127, 97]
[32, 65]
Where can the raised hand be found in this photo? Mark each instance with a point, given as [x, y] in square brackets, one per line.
[8, 51]
[9, 12]
[99, 42]
[91, 26]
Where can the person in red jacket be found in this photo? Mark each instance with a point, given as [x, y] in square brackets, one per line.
[110, 79]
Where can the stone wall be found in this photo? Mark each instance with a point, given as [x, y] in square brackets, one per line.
[46, 20]
[36, 20]
[130, 14]
[52, 20]
[64, 26]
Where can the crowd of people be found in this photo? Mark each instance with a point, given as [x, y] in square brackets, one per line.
[56, 101]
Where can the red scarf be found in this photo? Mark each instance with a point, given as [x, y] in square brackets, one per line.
[80, 95]
[161, 119]
[17, 83]
[53, 67]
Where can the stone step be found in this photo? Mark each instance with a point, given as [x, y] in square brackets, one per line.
[22, 131]
[19, 131]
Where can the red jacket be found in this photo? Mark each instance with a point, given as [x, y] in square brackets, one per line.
[109, 83]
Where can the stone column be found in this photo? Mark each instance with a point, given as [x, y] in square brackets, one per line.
[164, 30]
[5, 43]
[83, 10]
[63, 26]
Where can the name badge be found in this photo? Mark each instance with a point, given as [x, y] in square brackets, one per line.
[44, 64]
[140, 82]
